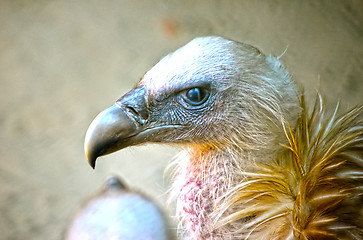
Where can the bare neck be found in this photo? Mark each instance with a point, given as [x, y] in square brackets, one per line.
[202, 177]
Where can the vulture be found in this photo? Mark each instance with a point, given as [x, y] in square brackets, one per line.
[257, 161]
[118, 213]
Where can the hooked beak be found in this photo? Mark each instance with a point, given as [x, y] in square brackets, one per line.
[108, 132]
[118, 126]
[127, 123]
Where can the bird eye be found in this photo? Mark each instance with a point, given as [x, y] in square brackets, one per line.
[196, 96]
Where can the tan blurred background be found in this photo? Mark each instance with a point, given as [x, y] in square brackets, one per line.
[61, 62]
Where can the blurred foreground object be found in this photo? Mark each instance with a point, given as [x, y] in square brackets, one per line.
[257, 162]
[119, 214]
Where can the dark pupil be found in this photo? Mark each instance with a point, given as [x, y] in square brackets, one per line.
[195, 95]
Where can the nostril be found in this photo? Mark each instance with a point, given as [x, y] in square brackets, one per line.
[132, 110]
[135, 114]
[135, 104]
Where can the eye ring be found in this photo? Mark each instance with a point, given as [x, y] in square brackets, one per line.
[195, 96]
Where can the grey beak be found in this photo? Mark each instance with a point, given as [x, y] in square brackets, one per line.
[108, 132]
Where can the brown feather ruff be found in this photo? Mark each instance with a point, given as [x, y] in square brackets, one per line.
[312, 190]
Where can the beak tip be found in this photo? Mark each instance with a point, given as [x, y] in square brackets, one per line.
[91, 158]
[92, 164]
[91, 146]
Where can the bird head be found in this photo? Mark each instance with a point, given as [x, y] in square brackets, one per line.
[211, 93]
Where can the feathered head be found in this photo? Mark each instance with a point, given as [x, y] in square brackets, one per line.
[212, 92]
